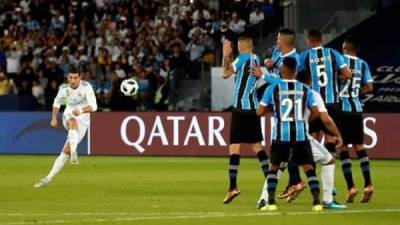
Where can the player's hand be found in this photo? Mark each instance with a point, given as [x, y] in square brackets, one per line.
[339, 142]
[54, 123]
[77, 112]
[226, 48]
[256, 71]
[268, 63]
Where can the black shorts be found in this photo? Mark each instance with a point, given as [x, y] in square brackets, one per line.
[298, 153]
[245, 128]
[317, 125]
[352, 128]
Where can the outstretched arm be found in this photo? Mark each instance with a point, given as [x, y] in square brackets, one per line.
[227, 59]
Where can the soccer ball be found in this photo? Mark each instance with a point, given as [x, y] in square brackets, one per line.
[129, 87]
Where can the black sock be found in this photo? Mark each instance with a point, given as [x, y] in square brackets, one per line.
[364, 164]
[346, 168]
[272, 182]
[294, 174]
[331, 147]
[313, 182]
[234, 161]
[263, 158]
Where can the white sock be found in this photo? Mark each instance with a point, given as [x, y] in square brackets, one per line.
[327, 177]
[73, 139]
[58, 165]
[264, 192]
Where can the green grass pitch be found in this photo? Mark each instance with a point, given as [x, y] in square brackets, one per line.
[173, 190]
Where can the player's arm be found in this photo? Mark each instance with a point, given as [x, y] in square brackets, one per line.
[257, 72]
[331, 126]
[328, 123]
[367, 88]
[341, 65]
[91, 99]
[265, 101]
[366, 81]
[346, 72]
[227, 59]
[56, 107]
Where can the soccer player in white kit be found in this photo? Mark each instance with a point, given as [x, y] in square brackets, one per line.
[80, 100]
[320, 153]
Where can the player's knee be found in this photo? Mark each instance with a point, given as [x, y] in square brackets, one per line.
[274, 168]
[67, 149]
[234, 149]
[359, 147]
[256, 147]
[307, 167]
[72, 123]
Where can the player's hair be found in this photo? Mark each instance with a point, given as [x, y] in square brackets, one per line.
[290, 63]
[289, 34]
[353, 43]
[315, 35]
[247, 42]
[73, 69]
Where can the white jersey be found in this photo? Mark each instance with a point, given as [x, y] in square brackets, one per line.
[77, 98]
[320, 105]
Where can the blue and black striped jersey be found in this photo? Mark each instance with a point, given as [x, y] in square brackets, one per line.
[323, 65]
[289, 98]
[277, 59]
[245, 89]
[350, 89]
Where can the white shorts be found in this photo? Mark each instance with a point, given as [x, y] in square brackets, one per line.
[320, 153]
[83, 124]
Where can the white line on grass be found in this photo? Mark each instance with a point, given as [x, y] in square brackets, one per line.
[195, 215]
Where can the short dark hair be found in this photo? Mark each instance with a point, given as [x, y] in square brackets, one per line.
[287, 31]
[315, 35]
[290, 62]
[353, 42]
[73, 69]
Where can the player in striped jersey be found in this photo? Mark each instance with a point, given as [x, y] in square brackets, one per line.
[320, 154]
[285, 47]
[324, 66]
[289, 99]
[351, 119]
[245, 124]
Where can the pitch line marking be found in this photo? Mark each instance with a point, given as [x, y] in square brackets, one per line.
[197, 216]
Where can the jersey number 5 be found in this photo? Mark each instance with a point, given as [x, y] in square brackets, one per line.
[289, 107]
[322, 75]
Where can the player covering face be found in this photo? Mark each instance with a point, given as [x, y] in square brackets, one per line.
[80, 100]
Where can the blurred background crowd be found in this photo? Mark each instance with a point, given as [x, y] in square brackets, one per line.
[159, 43]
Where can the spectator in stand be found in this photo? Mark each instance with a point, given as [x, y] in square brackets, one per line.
[109, 39]
[237, 25]
[195, 48]
[256, 17]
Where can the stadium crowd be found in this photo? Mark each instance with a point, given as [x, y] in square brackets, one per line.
[158, 43]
